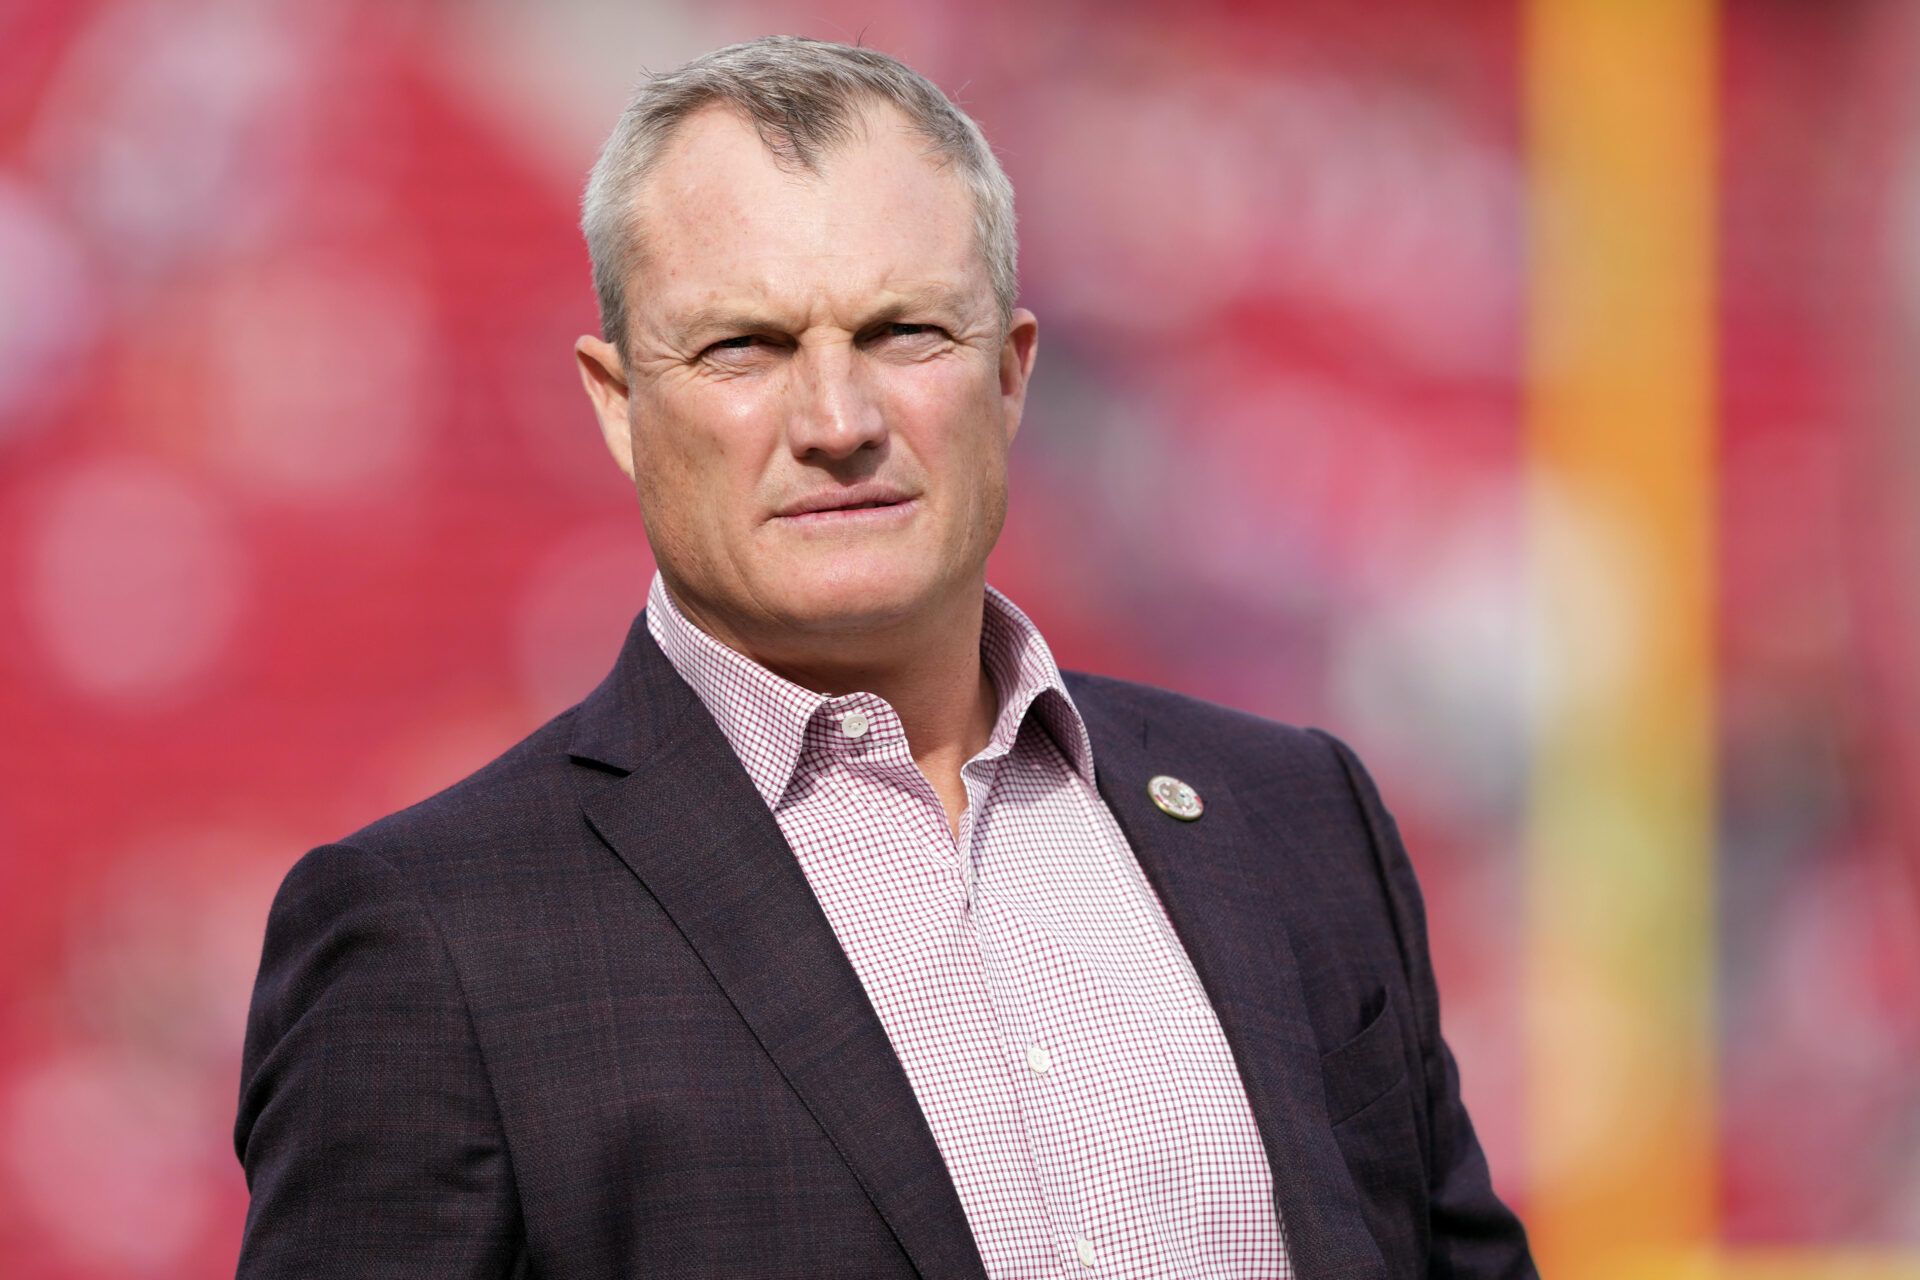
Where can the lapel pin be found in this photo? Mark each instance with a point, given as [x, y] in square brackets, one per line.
[1175, 798]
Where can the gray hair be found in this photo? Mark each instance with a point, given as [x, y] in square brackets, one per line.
[801, 96]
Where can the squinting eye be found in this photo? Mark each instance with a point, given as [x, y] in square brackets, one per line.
[746, 344]
[902, 329]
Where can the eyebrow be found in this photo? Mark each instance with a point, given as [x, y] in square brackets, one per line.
[733, 317]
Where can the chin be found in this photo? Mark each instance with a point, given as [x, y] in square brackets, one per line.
[853, 593]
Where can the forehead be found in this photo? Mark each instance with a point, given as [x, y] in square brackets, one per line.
[721, 220]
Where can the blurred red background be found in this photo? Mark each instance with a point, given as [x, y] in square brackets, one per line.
[304, 515]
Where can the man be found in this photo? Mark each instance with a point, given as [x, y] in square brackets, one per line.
[836, 932]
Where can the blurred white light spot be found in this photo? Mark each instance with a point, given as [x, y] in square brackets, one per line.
[46, 311]
[1429, 669]
[167, 127]
[107, 1152]
[133, 580]
[576, 610]
[319, 366]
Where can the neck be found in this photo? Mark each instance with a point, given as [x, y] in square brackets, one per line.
[928, 668]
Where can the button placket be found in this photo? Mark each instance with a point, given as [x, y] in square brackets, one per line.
[979, 776]
[1039, 883]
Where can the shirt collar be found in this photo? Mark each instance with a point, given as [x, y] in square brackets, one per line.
[765, 716]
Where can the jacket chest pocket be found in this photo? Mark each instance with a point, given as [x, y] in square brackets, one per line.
[1366, 1067]
[1371, 1104]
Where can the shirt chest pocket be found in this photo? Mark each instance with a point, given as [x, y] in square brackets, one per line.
[1366, 1067]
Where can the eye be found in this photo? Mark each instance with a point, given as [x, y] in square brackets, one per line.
[732, 350]
[905, 329]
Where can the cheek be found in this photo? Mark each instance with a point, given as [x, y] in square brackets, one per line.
[951, 419]
[697, 469]
[704, 445]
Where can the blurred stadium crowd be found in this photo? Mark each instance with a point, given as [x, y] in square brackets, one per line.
[302, 513]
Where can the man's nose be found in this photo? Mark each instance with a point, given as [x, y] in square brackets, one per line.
[835, 413]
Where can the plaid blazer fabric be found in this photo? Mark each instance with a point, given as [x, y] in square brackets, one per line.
[580, 1015]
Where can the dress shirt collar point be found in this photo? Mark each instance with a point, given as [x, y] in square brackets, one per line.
[1021, 663]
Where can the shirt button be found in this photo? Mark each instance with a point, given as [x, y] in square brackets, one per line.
[1039, 1061]
[1084, 1247]
[854, 724]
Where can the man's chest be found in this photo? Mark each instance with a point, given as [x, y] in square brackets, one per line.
[1054, 1033]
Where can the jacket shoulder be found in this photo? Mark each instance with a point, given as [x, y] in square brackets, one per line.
[522, 798]
[1211, 726]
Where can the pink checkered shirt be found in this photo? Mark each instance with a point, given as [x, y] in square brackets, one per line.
[1050, 1024]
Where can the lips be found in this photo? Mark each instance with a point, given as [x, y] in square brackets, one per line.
[845, 502]
[884, 516]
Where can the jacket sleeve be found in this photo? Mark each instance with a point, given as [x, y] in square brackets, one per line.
[367, 1128]
[1472, 1233]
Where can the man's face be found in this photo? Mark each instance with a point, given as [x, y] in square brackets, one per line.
[818, 399]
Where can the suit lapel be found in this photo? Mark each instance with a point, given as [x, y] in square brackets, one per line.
[684, 817]
[1225, 900]
[688, 822]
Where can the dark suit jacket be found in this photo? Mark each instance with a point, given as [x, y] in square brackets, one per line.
[580, 1015]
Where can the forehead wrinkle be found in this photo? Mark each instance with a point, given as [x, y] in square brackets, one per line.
[707, 207]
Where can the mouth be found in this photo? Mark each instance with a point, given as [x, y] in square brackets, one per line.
[874, 512]
[859, 504]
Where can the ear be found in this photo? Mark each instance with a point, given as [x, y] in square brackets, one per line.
[605, 379]
[1017, 352]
